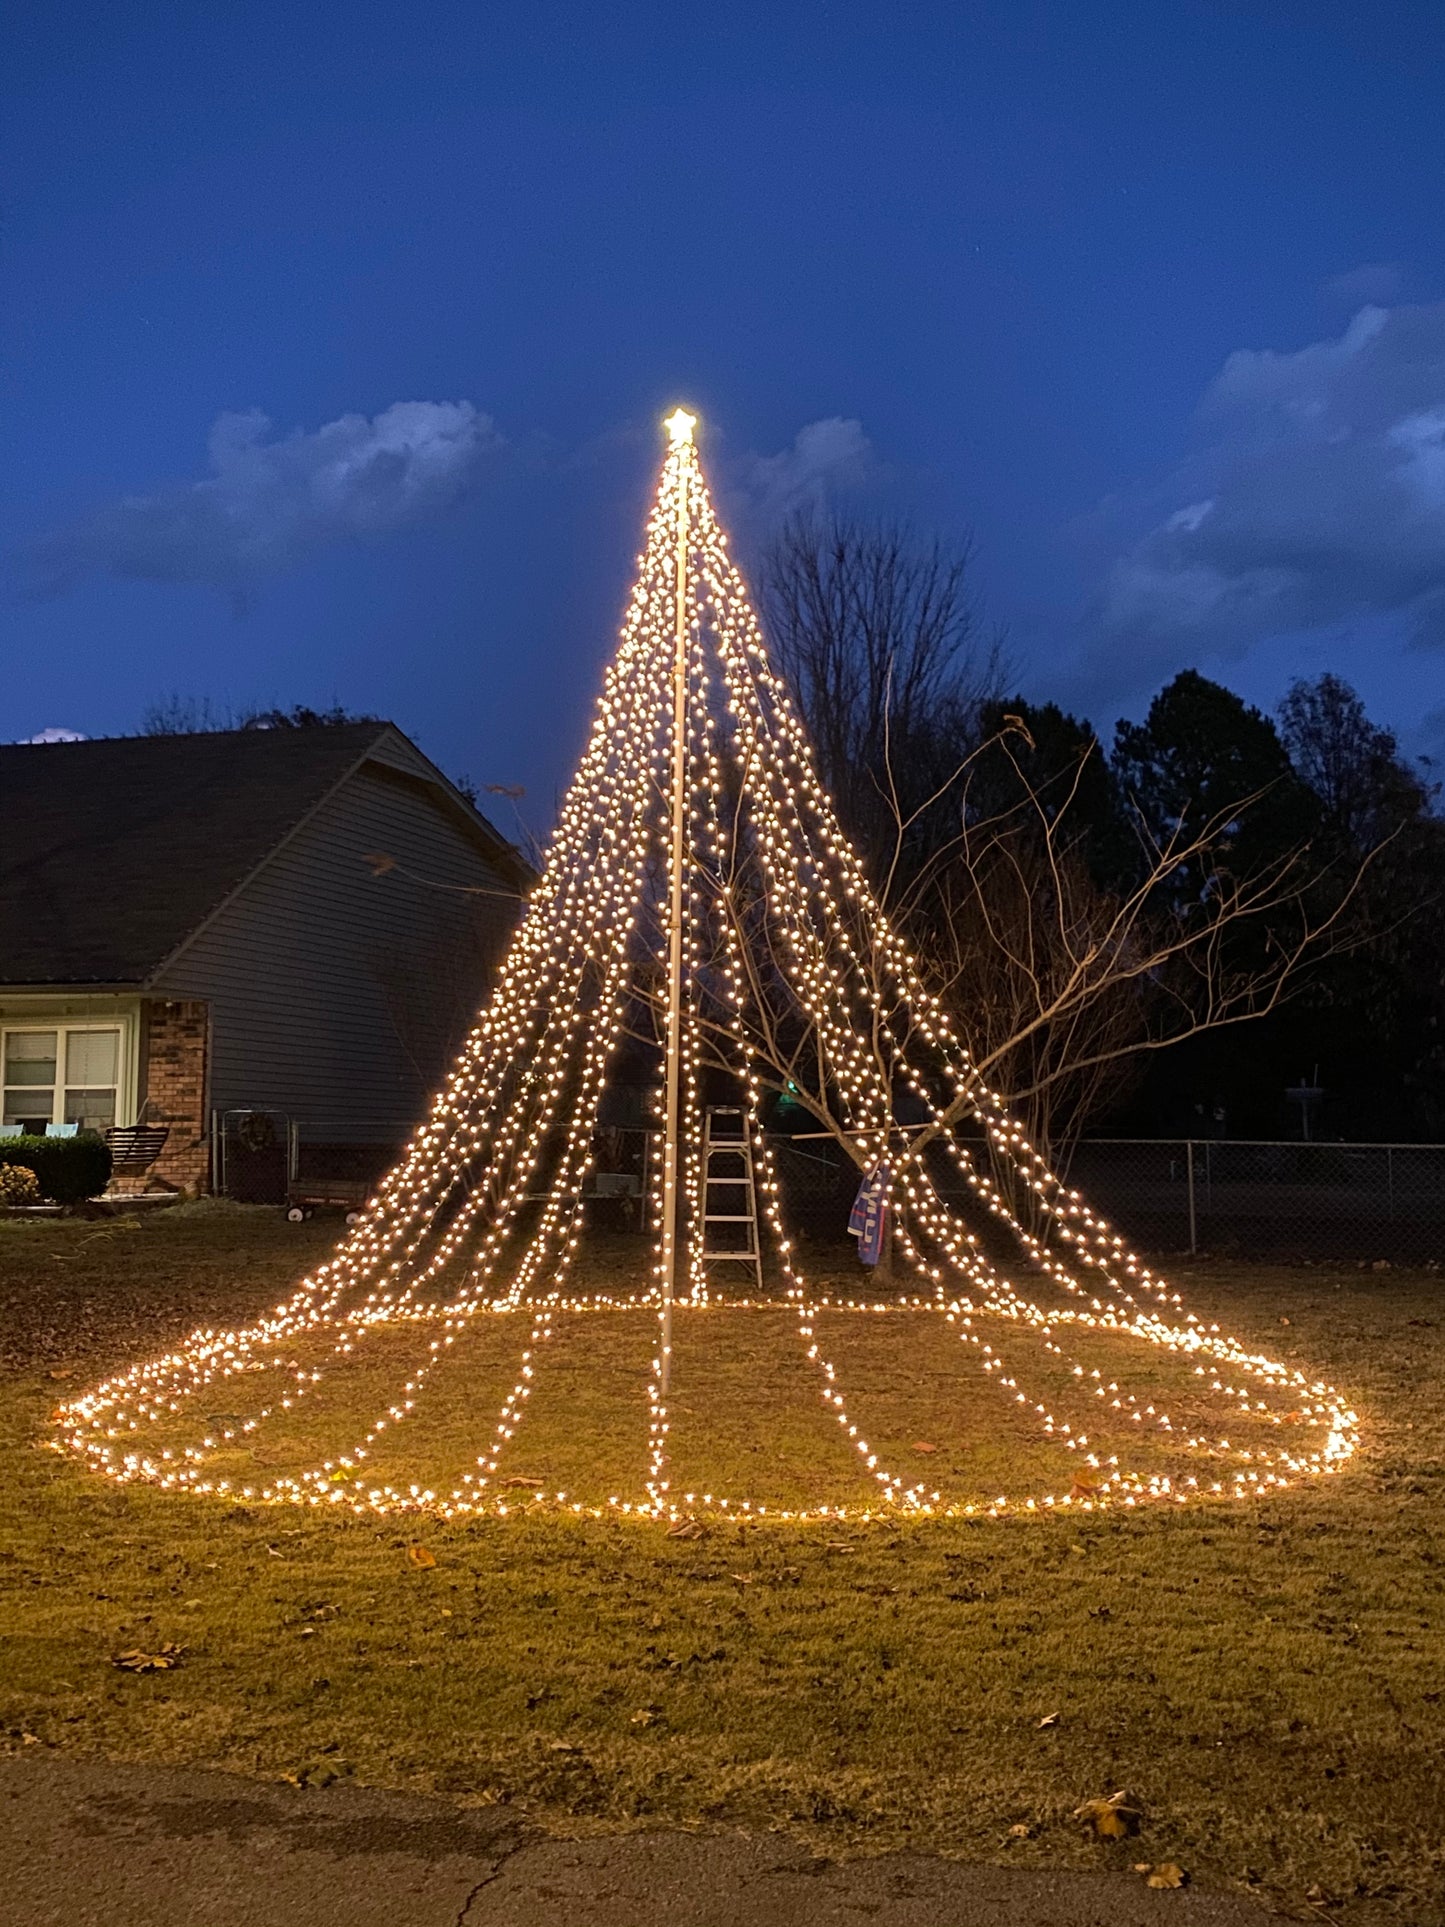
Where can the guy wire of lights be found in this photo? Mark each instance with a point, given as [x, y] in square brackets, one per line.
[699, 892]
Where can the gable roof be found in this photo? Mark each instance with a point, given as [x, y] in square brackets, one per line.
[113, 852]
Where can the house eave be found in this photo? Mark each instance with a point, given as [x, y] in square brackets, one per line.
[76, 987]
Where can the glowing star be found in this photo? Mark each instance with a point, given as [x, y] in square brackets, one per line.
[698, 880]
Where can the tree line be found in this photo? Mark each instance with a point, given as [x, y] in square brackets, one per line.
[1164, 932]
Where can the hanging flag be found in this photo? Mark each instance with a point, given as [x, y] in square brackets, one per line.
[868, 1220]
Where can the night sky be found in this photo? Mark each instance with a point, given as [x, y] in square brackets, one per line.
[335, 340]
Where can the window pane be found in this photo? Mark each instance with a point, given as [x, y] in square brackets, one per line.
[91, 1110]
[31, 1109]
[91, 1055]
[30, 1057]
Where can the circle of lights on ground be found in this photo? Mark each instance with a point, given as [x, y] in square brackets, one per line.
[482, 1216]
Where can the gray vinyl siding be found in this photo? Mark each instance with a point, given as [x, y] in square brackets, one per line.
[393, 749]
[338, 996]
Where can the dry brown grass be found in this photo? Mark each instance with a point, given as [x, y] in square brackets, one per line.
[1267, 1677]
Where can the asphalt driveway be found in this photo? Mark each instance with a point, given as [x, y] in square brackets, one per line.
[89, 1844]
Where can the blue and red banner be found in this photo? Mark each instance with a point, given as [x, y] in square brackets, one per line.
[868, 1220]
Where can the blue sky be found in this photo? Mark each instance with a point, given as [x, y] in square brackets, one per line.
[334, 341]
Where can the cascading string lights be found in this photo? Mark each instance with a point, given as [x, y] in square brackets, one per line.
[782, 938]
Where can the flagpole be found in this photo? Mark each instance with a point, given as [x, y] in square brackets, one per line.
[679, 427]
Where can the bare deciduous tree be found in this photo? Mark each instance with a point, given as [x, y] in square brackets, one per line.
[881, 639]
[1061, 985]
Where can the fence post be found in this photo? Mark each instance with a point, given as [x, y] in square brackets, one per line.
[1193, 1221]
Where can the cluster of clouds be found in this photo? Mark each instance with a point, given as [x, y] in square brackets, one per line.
[272, 501]
[1314, 496]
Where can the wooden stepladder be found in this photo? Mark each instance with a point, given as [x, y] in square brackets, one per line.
[730, 1193]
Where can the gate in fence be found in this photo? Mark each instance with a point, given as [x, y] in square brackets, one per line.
[262, 1156]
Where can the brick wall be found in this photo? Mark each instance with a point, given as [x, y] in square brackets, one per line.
[174, 1053]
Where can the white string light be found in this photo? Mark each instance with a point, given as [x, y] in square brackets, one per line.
[783, 937]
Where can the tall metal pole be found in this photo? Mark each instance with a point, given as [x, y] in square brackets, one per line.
[1193, 1218]
[680, 427]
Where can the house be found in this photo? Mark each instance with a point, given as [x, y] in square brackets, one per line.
[262, 932]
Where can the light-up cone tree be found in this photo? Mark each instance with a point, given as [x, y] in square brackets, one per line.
[698, 888]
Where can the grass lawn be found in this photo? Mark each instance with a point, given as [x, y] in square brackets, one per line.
[1266, 1676]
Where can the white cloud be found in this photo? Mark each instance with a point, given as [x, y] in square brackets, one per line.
[1315, 495]
[269, 501]
[56, 735]
[825, 456]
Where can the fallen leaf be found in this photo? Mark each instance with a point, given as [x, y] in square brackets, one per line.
[922, 1445]
[562, 1746]
[1019, 1831]
[1082, 1489]
[643, 1717]
[419, 1556]
[656, 1623]
[1049, 1719]
[136, 1661]
[1117, 1818]
[1284, 1321]
[519, 1484]
[1167, 1874]
[1317, 1896]
[62, 1372]
[839, 1545]
[687, 1528]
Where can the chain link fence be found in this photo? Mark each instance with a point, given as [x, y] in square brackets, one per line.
[1256, 1198]
[1248, 1198]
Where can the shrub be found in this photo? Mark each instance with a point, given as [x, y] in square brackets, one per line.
[67, 1169]
[18, 1185]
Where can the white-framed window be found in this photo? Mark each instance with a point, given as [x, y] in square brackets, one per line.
[60, 1074]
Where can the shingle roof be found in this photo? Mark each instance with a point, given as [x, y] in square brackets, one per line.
[112, 852]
